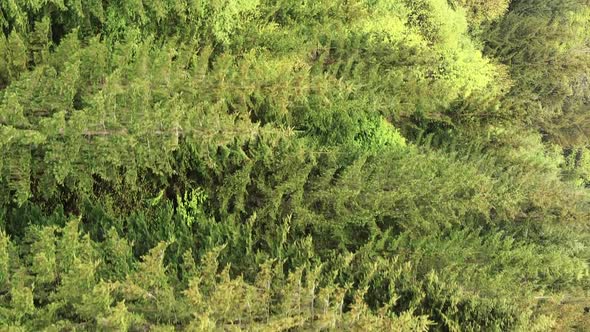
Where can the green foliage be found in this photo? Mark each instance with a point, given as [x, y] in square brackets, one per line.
[387, 165]
[4, 259]
[121, 105]
[145, 297]
[473, 278]
[544, 44]
[479, 11]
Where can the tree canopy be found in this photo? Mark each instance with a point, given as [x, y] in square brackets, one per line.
[274, 165]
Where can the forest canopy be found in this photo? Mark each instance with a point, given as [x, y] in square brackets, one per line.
[279, 165]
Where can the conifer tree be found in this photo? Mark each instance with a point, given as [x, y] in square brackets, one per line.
[280, 165]
[544, 46]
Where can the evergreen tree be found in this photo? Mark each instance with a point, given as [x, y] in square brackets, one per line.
[398, 165]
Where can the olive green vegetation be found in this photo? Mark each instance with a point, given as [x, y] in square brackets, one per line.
[267, 165]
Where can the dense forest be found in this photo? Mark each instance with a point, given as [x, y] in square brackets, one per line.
[282, 165]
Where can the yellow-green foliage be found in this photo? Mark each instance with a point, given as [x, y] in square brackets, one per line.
[267, 165]
[146, 297]
[480, 11]
[436, 32]
[549, 88]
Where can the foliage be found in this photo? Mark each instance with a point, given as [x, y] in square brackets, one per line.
[479, 11]
[274, 165]
[545, 46]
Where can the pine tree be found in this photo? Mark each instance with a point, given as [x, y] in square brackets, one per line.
[280, 165]
[543, 45]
